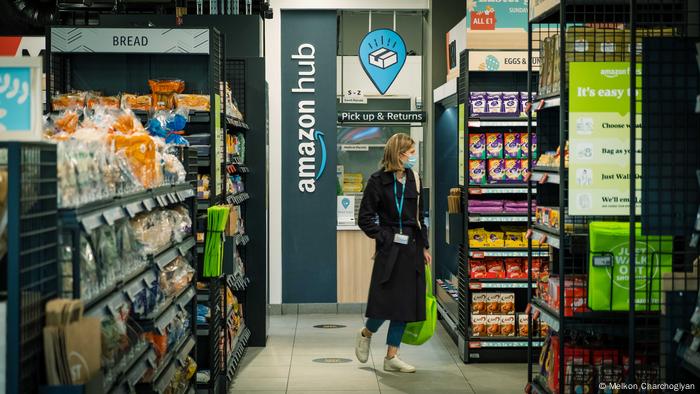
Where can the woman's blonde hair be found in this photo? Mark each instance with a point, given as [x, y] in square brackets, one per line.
[398, 144]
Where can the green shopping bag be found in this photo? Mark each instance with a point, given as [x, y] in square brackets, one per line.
[418, 333]
[609, 273]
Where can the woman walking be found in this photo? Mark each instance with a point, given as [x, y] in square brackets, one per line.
[391, 212]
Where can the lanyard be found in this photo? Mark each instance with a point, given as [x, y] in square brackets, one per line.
[399, 205]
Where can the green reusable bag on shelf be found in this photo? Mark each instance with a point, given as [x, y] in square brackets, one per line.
[418, 333]
[608, 278]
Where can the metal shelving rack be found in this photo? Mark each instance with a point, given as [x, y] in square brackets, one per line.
[638, 344]
[83, 68]
[485, 348]
[29, 269]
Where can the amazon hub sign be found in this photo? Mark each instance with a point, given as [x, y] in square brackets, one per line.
[309, 169]
[308, 52]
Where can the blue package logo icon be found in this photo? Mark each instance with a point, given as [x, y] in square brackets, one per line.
[382, 55]
[15, 100]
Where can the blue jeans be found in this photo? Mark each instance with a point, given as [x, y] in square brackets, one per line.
[396, 329]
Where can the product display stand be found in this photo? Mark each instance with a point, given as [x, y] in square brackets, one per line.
[81, 67]
[30, 266]
[492, 273]
[108, 304]
[621, 275]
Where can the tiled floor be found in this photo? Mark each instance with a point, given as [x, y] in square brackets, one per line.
[286, 365]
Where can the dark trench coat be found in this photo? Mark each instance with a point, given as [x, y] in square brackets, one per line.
[397, 288]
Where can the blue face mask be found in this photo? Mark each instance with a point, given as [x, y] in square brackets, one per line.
[412, 160]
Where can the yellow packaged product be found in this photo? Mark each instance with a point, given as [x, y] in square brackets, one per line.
[514, 240]
[478, 238]
[353, 187]
[352, 177]
[495, 239]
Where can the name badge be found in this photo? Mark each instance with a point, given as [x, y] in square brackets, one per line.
[401, 239]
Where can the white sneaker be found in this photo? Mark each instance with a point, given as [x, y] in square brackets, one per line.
[362, 347]
[396, 365]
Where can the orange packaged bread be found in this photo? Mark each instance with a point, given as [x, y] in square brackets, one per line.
[166, 85]
[66, 101]
[67, 121]
[127, 123]
[194, 102]
[137, 103]
[140, 151]
[110, 102]
[164, 91]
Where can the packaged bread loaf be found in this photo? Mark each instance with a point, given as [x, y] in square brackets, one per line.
[136, 103]
[194, 102]
[164, 91]
[61, 102]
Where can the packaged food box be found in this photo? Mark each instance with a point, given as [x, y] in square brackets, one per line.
[511, 145]
[514, 240]
[493, 306]
[493, 325]
[477, 269]
[494, 269]
[512, 171]
[511, 102]
[477, 172]
[479, 325]
[478, 303]
[477, 103]
[508, 325]
[495, 239]
[494, 103]
[575, 294]
[514, 269]
[507, 303]
[478, 238]
[496, 170]
[524, 168]
[494, 145]
[477, 146]
[522, 325]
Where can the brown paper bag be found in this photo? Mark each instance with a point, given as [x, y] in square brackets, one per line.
[232, 225]
[83, 345]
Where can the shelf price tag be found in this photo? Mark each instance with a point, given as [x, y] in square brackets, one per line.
[475, 286]
[544, 178]
[476, 190]
[474, 344]
[528, 107]
[478, 254]
[474, 123]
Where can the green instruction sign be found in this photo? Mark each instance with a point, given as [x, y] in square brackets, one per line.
[599, 138]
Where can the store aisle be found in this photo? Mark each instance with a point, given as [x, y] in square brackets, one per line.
[287, 364]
